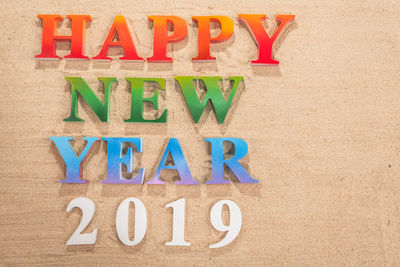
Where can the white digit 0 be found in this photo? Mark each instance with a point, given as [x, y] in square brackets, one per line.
[122, 221]
[235, 222]
[178, 224]
[88, 208]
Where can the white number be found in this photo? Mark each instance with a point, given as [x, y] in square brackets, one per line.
[88, 208]
[122, 221]
[235, 222]
[178, 224]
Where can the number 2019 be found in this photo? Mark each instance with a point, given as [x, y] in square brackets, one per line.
[178, 225]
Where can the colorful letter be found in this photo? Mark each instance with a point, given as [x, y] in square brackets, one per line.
[161, 38]
[204, 38]
[213, 95]
[72, 162]
[49, 37]
[137, 99]
[119, 27]
[260, 36]
[181, 166]
[233, 163]
[115, 160]
[79, 85]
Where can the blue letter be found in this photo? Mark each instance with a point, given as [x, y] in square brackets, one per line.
[73, 163]
[181, 166]
[218, 161]
[115, 160]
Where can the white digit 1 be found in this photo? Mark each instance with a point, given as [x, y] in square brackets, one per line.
[122, 221]
[178, 223]
[88, 208]
[235, 222]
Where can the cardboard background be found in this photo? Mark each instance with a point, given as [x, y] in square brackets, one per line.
[322, 129]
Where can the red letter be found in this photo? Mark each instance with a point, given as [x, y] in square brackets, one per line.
[203, 23]
[161, 37]
[260, 36]
[49, 37]
[125, 41]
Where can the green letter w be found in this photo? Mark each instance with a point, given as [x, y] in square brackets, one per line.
[214, 95]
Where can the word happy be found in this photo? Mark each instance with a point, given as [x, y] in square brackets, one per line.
[161, 37]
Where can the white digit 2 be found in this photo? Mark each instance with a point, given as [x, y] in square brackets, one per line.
[235, 222]
[178, 223]
[122, 221]
[88, 208]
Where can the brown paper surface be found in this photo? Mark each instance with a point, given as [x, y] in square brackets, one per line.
[322, 129]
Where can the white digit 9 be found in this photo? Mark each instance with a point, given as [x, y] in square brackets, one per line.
[235, 222]
[88, 208]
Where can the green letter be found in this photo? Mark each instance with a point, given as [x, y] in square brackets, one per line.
[213, 95]
[79, 85]
[137, 99]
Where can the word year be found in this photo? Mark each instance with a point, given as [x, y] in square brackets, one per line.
[116, 160]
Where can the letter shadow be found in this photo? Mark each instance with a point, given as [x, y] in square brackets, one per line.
[121, 190]
[82, 65]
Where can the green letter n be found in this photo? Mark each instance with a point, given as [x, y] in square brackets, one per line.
[78, 85]
[213, 94]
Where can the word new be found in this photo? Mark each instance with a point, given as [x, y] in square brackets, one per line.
[115, 160]
[161, 37]
[196, 107]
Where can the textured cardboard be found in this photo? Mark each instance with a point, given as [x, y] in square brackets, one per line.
[322, 129]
